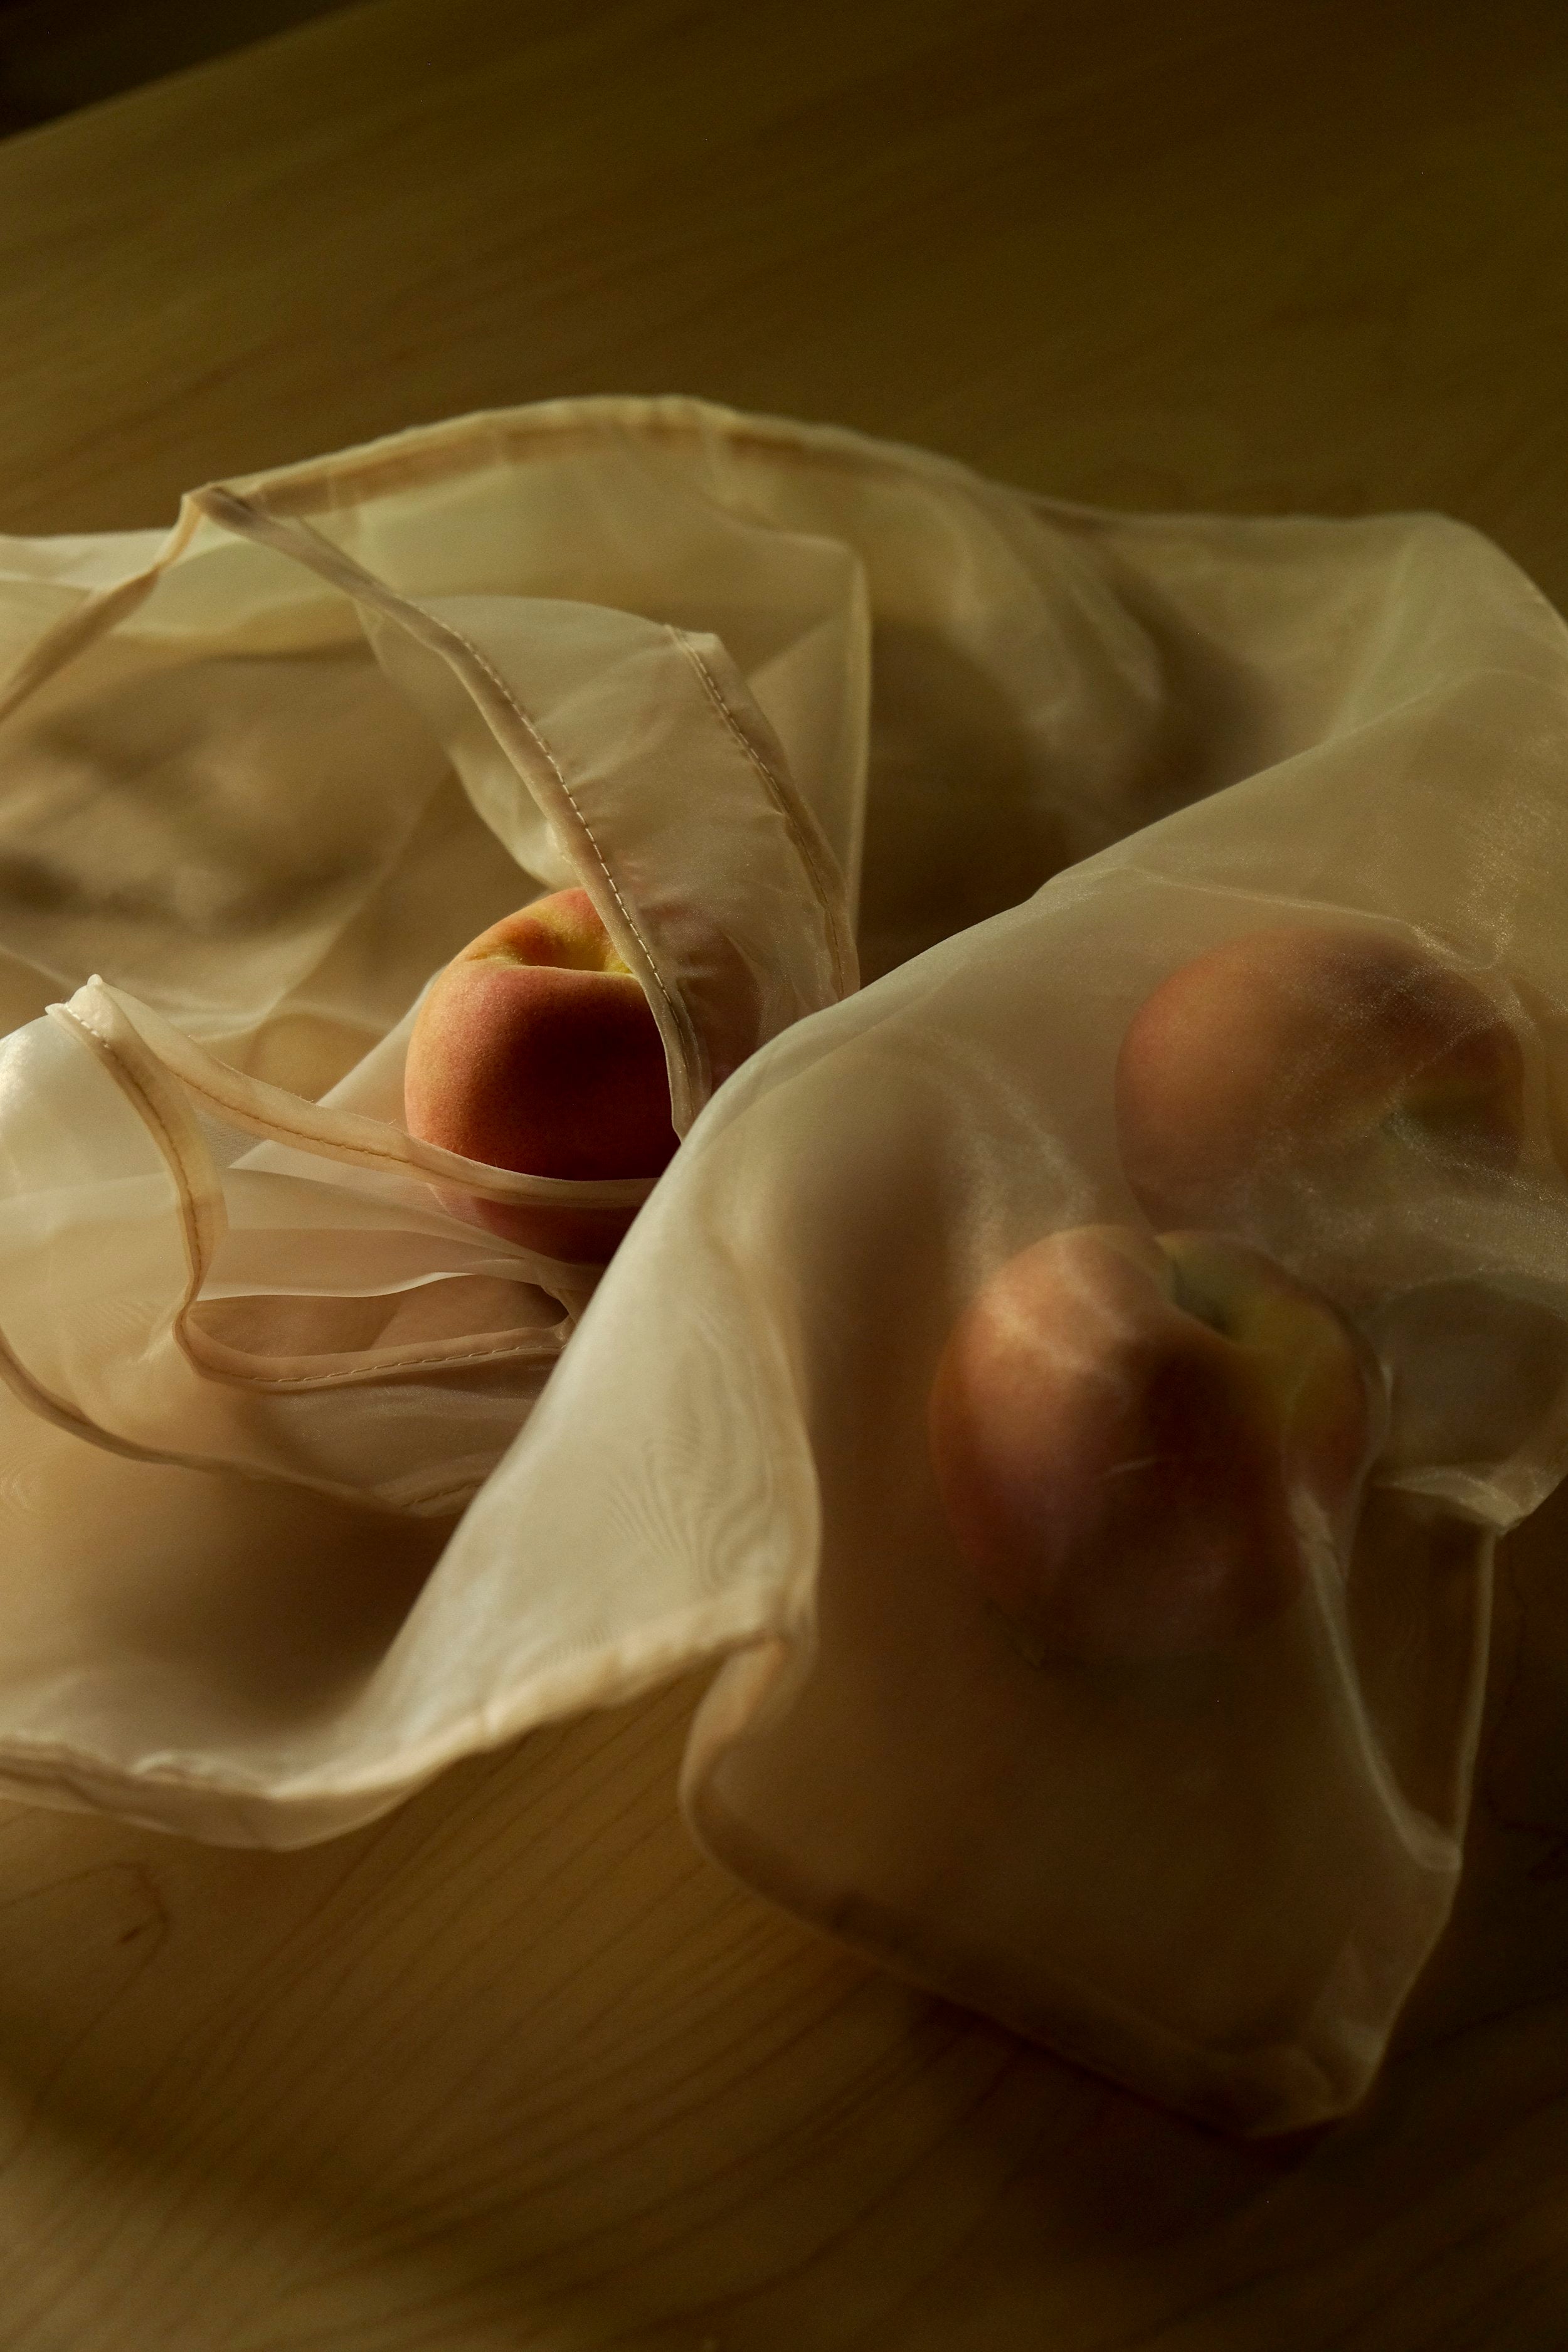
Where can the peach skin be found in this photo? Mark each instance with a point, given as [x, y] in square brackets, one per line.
[1289, 1049]
[1140, 1445]
[536, 1049]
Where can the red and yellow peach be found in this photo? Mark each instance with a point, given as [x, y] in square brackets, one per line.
[1138, 1444]
[1286, 1049]
[536, 1049]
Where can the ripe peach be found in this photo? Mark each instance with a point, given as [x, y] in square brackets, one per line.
[1138, 1444]
[1286, 1049]
[536, 1049]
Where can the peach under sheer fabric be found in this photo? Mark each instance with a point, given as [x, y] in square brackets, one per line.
[305, 1493]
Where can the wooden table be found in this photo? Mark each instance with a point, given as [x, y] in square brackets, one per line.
[514, 2067]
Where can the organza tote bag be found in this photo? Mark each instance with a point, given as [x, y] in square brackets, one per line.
[754, 684]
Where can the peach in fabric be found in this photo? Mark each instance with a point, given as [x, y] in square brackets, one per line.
[845, 710]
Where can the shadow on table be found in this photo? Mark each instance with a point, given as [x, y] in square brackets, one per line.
[516, 2065]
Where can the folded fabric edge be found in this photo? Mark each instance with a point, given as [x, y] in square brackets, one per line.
[183, 1796]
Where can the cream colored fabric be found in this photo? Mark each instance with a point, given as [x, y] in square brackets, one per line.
[769, 684]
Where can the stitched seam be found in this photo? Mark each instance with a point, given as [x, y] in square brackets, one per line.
[591, 418]
[366, 1372]
[196, 1086]
[100, 609]
[453, 636]
[303, 1136]
[58, 1414]
[804, 848]
[195, 1340]
[190, 1219]
[526, 723]
[282, 526]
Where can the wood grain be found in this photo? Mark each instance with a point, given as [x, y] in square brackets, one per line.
[515, 2068]
[1308, 257]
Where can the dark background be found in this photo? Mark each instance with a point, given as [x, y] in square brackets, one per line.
[57, 55]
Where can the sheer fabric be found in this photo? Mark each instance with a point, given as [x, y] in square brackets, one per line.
[782, 699]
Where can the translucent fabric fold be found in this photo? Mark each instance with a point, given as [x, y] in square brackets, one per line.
[791, 705]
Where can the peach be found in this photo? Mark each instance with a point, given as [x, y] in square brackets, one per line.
[1288, 1050]
[1140, 1445]
[536, 1049]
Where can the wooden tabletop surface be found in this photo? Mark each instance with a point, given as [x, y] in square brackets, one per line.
[514, 2067]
